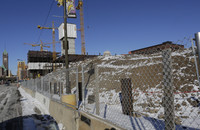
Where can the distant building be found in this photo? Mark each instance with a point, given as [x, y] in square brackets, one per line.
[107, 53]
[10, 73]
[1, 71]
[5, 62]
[157, 48]
[41, 63]
[21, 70]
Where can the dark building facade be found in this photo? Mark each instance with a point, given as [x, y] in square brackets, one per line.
[158, 48]
[1, 71]
[39, 63]
[5, 62]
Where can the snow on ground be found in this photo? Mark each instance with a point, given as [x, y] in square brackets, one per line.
[110, 109]
[182, 53]
[30, 104]
[10, 106]
[147, 100]
[61, 127]
[56, 96]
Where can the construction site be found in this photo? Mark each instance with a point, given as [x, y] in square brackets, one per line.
[42, 62]
[67, 84]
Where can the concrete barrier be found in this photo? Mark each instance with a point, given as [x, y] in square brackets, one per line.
[91, 122]
[29, 91]
[71, 119]
[63, 114]
[43, 99]
[69, 99]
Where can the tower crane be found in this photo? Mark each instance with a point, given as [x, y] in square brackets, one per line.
[41, 45]
[80, 7]
[54, 42]
[53, 37]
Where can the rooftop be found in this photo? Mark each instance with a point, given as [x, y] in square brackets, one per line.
[5, 52]
[3, 67]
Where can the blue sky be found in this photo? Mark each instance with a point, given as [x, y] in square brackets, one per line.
[114, 25]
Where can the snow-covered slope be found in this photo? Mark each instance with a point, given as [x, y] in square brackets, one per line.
[146, 74]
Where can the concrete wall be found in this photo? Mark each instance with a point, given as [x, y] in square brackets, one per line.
[63, 114]
[30, 92]
[70, 118]
[95, 123]
[43, 99]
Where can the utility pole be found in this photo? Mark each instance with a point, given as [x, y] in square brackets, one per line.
[68, 89]
[54, 46]
[54, 42]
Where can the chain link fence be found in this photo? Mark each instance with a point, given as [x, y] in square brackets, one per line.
[88, 82]
[53, 84]
[153, 88]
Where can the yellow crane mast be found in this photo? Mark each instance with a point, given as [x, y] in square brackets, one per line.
[80, 7]
[54, 42]
[53, 37]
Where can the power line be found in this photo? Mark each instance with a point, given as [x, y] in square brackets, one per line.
[46, 20]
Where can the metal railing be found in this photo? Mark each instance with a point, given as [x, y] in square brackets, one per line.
[53, 84]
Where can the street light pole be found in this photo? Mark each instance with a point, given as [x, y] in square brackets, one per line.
[68, 89]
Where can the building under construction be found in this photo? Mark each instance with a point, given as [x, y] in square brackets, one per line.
[21, 70]
[39, 63]
[74, 58]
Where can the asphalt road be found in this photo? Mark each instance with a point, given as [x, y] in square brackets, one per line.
[10, 106]
[11, 113]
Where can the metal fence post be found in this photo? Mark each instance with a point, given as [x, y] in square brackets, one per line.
[53, 87]
[59, 84]
[127, 97]
[57, 87]
[83, 88]
[42, 84]
[49, 86]
[197, 39]
[77, 89]
[168, 91]
[97, 90]
[32, 87]
[36, 85]
[196, 64]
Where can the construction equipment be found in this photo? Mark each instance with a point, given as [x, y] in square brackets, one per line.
[80, 7]
[53, 36]
[54, 42]
[41, 45]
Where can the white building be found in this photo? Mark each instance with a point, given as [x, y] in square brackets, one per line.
[71, 36]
